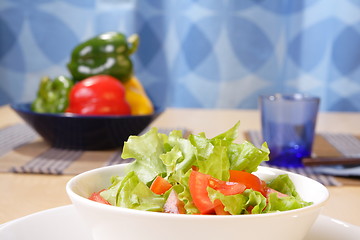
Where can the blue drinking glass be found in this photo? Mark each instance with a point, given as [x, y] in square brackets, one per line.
[288, 126]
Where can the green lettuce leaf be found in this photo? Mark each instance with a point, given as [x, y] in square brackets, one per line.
[230, 135]
[256, 200]
[217, 164]
[181, 186]
[173, 156]
[283, 184]
[246, 156]
[130, 192]
[146, 149]
[170, 159]
[111, 194]
[203, 146]
[276, 204]
[234, 204]
[185, 148]
[240, 203]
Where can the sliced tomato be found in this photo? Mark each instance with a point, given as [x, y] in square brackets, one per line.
[279, 194]
[160, 185]
[98, 198]
[219, 208]
[249, 180]
[198, 183]
[226, 188]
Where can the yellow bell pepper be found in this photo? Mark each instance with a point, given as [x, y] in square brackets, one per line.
[136, 96]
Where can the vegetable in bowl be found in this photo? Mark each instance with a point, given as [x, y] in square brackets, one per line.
[98, 95]
[105, 54]
[102, 81]
[52, 95]
[158, 181]
[197, 175]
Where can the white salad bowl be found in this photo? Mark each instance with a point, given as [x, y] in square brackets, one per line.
[107, 222]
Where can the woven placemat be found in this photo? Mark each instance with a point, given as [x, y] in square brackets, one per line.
[23, 151]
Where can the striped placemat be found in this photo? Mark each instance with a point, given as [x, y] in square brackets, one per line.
[14, 136]
[52, 161]
[23, 151]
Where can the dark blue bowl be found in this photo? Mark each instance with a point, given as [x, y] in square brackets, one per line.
[83, 132]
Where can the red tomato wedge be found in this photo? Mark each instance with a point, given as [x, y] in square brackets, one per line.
[249, 180]
[226, 188]
[98, 198]
[198, 183]
[279, 194]
[160, 185]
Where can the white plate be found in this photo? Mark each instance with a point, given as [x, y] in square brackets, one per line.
[64, 223]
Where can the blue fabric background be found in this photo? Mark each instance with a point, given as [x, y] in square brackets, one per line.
[194, 53]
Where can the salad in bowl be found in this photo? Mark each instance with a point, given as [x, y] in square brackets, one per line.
[195, 188]
[197, 175]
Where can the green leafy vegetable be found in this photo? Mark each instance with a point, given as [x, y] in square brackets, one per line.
[146, 149]
[52, 95]
[283, 184]
[130, 192]
[173, 157]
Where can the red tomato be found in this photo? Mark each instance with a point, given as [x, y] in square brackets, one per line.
[198, 182]
[279, 194]
[249, 180]
[226, 188]
[98, 198]
[98, 95]
[160, 185]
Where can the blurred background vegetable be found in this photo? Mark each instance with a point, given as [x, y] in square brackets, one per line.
[137, 98]
[98, 95]
[108, 53]
[95, 65]
[52, 95]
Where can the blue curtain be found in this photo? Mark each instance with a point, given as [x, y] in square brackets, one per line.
[194, 53]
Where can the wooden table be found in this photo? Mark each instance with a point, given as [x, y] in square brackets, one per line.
[23, 194]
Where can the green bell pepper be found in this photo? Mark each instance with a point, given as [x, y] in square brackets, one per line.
[106, 54]
[52, 96]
